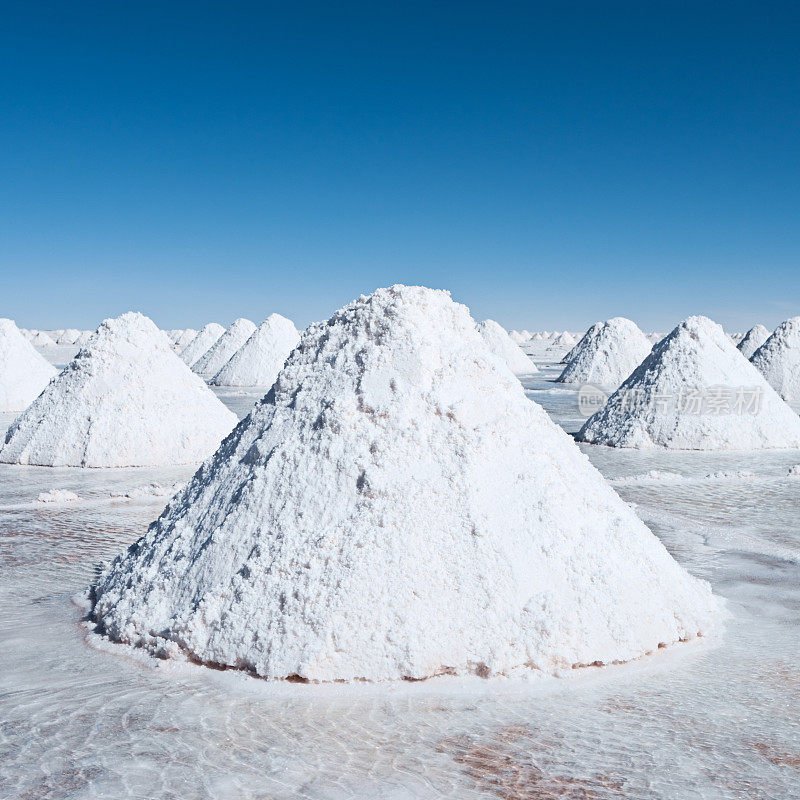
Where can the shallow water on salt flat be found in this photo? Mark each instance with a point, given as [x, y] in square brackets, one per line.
[715, 719]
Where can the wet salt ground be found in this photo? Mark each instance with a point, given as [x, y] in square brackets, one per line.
[715, 719]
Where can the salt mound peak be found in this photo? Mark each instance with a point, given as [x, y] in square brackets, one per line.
[695, 391]
[608, 352]
[201, 343]
[503, 346]
[23, 372]
[778, 359]
[395, 507]
[259, 360]
[223, 349]
[752, 340]
[125, 400]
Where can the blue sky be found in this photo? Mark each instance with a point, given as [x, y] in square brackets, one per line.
[550, 164]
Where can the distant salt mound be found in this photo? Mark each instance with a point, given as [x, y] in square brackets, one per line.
[396, 507]
[23, 372]
[68, 336]
[41, 339]
[518, 337]
[501, 344]
[259, 360]
[223, 349]
[778, 359]
[695, 391]
[183, 339]
[565, 339]
[126, 400]
[608, 352]
[83, 337]
[752, 340]
[201, 343]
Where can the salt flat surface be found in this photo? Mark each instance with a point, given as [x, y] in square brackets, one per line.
[716, 720]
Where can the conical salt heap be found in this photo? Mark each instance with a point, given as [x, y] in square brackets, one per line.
[752, 340]
[695, 391]
[183, 339]
[126, 400]
[778, 359]
[68, 336]
[259, 360]
[608, 352]
[41, 339]
[563, 339]
[23, 372]
[503, 346]
[395, 507]
[223, 349]
[201, 343]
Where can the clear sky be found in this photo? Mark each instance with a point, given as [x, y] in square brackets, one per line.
[550, 164]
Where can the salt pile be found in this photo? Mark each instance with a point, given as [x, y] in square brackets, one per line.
[83, 337]
[201, 343]
[608, 352]
[223, 349]
[695, 391]
[520, 337]
[752, 340]
[501, 344]
[68, 336]
[41, 339]
[565, 339]
[125, 400]
[259, 360]
[23, 372]
[778, 359]
[183, 338]
[395, 507]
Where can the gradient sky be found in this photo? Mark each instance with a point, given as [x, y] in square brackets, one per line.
[550, 164]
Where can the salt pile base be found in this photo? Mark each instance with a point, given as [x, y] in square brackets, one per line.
[778, 359]
[503, 346]
[23, 372]
[259, 360]
[395, 507]
[752, 340]
[223, 349]
[608, 352]
[695, 391]
[201, 343]
[126, 400]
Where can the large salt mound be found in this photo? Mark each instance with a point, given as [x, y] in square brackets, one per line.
[223, 349]
[503, 346]
[259, 360]
[778, 359]
[395, 507]
[201, 343]
[125, 400]
[752, 340]
[608, 352]
[695, 391]
[23, 372]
